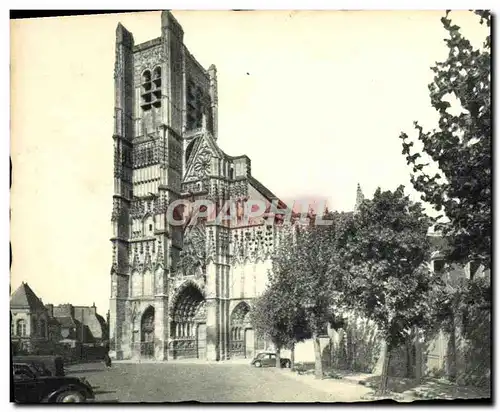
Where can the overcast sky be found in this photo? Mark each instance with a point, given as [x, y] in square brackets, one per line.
[317, 100]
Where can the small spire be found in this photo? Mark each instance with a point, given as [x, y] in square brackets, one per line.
[359, 198]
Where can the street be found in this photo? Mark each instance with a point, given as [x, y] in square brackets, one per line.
[179, 382]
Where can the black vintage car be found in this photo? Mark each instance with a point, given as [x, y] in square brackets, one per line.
[269, 359]
[31, 387]
[52, 364]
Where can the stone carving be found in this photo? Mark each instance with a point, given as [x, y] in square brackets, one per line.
[116, 210]
[159, 280]
[144, 155]
[159, 255]
[133, 313]
[193, 255]
[148, 59]
[238, 189]
[200, 166]
[175, 157]
[118, 62]
[114, 286]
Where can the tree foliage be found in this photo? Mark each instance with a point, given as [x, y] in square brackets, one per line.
[270, 318]
[389, 255]
[460, 146]
[277, 314]
[391, 282]
[309, 266]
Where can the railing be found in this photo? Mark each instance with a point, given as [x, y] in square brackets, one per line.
[237, 349]
[183, 348]
[144, 349]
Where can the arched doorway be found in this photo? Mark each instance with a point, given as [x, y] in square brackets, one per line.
[241, 343]
[148, 333]
[188, 324]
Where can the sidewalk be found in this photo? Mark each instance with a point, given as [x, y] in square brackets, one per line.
[345, 390]
[400, 389]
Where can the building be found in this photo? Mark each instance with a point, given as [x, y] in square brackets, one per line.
[30, 322]
[178, 291]
[36, 327]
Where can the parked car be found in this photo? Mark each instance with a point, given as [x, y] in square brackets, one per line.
[269, 359]
[53, 364]
[30, 387]
[36, 367]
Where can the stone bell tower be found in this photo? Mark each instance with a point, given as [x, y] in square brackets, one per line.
[179, 292]
[148, 156]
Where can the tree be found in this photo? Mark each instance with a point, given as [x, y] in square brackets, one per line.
[462, 309]
[315, 273]
[390, 279]
[460, 147]
[268, 320]
[277, 314]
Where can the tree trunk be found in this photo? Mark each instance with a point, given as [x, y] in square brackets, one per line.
[318, 366]
[385, 369]
[292, 356]
[278, 357]
[331, 352]
[452, 351]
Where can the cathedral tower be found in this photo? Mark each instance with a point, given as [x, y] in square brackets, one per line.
[177, 291]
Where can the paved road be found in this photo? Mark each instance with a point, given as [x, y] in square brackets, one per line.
[178, 382]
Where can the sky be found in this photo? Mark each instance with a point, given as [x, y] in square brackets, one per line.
[317, 100]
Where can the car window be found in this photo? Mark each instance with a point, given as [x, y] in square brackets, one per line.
[20, 374]
[272, 356]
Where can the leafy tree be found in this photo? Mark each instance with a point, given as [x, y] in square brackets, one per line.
[460, 146]
[390, 279]
[277, 314]
[270, 320]
[315, 274]
[462, 307]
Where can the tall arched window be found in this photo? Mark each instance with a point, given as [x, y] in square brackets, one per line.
[21, 327]
[146, 90]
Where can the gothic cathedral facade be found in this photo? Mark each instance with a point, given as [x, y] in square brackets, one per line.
[178, 291]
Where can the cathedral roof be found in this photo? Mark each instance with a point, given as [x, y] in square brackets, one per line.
[25, 298]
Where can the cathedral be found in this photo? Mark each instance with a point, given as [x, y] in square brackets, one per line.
[179, 291]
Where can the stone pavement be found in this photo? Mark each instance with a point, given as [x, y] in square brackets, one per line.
[209, 382]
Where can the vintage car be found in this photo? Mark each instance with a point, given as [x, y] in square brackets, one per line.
[53, 364]
[31, 387]
[269, 359]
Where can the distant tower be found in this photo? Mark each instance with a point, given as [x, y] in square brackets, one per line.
[359, 198]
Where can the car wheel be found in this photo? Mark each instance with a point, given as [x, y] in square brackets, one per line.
[257, 364]
[70, 397]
